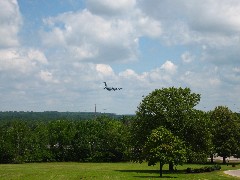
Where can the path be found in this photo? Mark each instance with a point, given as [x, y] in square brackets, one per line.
[233, 172]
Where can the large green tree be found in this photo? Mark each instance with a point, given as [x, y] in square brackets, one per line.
[163, 147]
[171, 108]
[198, 137]
[225, 130]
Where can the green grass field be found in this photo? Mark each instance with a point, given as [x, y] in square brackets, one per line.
[72, 170]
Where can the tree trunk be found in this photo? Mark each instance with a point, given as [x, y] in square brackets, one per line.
[224, 160]
[161, 166]
[212, 158]
[171, 166]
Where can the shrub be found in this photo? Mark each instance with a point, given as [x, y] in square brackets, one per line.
[204, 169]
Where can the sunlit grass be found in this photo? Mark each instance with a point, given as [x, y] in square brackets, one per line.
[72, 170]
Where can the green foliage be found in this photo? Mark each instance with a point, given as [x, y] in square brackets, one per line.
[226, 131]
[172, 108]
[46, 116]
[17, 143]
[204, 169]
[100, 140]
[198, 137]
[162, 146]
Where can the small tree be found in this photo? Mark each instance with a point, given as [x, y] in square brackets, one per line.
[162, 146]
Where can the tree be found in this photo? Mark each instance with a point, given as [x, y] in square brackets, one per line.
[110, 139]
[61, 134]
[167, 107]
[17, 136]
[100, 140]
[162, 146]
[225, 130]
[82, 141]
[38, 150]
[6, 148]
[198, 137]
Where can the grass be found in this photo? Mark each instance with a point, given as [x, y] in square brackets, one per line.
[73, 170]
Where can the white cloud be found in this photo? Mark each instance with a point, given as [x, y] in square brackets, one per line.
[187, 57]
[148, 26]
[158, 77]
[200, 80]
[37, 56]
[236, 69]
[212, 24]
[202, 16]
[79, 49]
[131, 75]
[87, 36]
[10, 22]
[104, 69]
[169, 67]
[21, 60]
[47, 76]
[109, 7]
[214, 16]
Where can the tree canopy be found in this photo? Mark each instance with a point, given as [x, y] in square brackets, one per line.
[168, 107]
[100, 140]
[226, 132]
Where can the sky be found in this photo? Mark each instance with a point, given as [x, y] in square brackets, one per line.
[55, 55]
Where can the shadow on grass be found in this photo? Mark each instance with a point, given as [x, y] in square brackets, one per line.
[171, 173]
[154, 177]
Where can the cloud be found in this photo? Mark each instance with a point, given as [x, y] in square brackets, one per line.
[47, 76]
[109, 8]
[223, 55]
[205, 16]
[199, 80]
[158, 77]
[21, 60]
[79, 50]
[210, 24]
[86, 36]
[169, 67]
[187, 57]
[37, 56]
[10, 23]
[104, 69]
[214, 16]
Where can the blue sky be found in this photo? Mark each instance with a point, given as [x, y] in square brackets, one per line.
[55, 55]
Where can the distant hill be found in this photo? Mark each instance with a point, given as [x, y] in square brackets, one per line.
[53, 115]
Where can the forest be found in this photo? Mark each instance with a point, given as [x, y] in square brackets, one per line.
[166, 116]
[100, 139]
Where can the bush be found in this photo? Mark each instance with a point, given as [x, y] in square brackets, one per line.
[204, 169]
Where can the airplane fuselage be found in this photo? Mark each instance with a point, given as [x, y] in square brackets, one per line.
[110, 88]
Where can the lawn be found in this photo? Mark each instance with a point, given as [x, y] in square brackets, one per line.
[73, 170]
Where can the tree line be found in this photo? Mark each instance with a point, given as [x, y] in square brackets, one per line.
[167, 128]
[99, 140]
[7, 116]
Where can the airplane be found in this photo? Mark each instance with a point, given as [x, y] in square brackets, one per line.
[110, 88]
